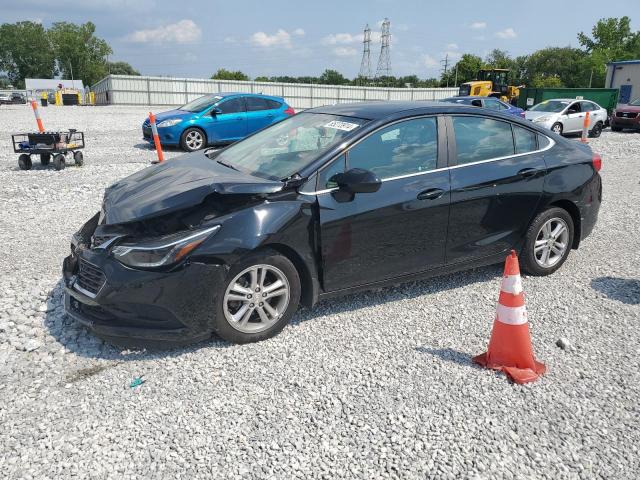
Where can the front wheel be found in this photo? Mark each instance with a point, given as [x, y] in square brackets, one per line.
[59, 161]
[24, 162]
[548, 242]
[596, 130]
[557, 128]
[193, 139]
[78, 158]
[258, 298]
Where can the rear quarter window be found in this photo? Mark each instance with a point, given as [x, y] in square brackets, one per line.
[525, 140]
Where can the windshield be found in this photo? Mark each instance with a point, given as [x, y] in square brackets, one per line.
[201, 103]
[550, 106]
[285, 148]
[636, 102]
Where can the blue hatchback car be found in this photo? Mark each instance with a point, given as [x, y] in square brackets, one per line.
[491, 103]
[217, 119]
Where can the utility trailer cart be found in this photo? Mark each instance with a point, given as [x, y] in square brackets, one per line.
[48, 144]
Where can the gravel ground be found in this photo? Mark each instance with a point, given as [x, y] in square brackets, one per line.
[378, 385]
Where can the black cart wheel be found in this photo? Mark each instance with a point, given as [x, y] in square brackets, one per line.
[58, 162]
[78, 158]
[44, 159]
[24, 162]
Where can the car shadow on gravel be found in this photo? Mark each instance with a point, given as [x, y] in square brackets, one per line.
[625, 290]
[77, 339]
[448, 355]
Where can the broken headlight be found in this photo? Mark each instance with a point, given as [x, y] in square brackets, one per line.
[162, 251]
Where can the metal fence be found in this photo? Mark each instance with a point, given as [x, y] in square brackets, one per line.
[137, 90]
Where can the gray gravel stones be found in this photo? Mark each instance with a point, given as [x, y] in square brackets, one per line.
[377, 385]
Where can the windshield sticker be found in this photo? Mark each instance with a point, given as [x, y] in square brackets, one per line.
[346, 126]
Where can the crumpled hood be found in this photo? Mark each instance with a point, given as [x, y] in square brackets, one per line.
[177, 184]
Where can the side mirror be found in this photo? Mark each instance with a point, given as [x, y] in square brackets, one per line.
[215, 111]
[358, 180]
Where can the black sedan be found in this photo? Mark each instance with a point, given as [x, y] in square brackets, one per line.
[330, 201]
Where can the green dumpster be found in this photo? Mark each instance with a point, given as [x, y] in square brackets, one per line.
[605, 97]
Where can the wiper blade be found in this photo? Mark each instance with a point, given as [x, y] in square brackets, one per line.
[228, 165]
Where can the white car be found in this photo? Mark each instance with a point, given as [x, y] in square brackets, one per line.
[566, 115]
[5, 98]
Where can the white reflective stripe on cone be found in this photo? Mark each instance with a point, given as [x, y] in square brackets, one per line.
[154, 129]
[512, 315]
[512, 284]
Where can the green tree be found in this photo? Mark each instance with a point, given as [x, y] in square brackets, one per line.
[333, 77]
[539, 81]
[570, 66]
[224, 74]
[25, 52]
[121, 68]
[79, 52]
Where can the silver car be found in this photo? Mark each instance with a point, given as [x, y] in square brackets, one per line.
[566, 115]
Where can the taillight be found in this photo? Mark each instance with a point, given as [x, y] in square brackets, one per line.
[290, 111]
[522, 114]
[597, 162]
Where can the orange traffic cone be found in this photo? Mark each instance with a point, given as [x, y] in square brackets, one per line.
[510, 347]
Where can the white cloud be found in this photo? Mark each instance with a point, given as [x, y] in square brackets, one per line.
[341, 39]
[281, 38]
[184, 31]
[345, 51]
[478, 25]
[429, 62]
[506, 33]
[230, 40]
[452, 46]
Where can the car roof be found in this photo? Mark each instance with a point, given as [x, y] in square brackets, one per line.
[568, 100]
[244, 94]
[382, 109]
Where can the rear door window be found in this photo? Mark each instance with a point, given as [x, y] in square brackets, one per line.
[492, 104]
[479, 138]
[587, 106]
[255, 104]
[525, 140]
[233, 105]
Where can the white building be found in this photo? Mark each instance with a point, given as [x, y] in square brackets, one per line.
[624, 75]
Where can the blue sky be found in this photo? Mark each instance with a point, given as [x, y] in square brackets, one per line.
[195, 38]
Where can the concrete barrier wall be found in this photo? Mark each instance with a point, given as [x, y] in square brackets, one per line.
[134, 90]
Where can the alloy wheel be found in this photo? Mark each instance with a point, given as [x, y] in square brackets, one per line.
[551, 242]
[256, 298]
[194, 140]
[557, 128]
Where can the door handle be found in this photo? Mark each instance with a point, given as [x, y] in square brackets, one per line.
[528, 172]
[430, 194]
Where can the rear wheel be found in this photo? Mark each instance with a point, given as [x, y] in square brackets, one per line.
[596, 130]
[557, 128]
[258, 299]
[24, 162]
[45, 158]
[78, 158]
[193, 139]
[58, 161]
[548, 242]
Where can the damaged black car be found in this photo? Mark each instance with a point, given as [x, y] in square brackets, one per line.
[331, 201]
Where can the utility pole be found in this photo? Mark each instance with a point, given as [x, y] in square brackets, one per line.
[455, 83]
[365, 64]
[591, 78]
[384, 61]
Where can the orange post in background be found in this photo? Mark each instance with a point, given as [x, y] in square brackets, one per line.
[585, 129]
[34, 105]
[510, 348]
[156, 138]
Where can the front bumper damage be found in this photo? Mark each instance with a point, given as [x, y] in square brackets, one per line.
[117, 302]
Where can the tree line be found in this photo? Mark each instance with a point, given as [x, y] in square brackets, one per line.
[29, 50]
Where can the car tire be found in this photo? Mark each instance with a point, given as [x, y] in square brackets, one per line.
[78, 158]
[542, 229]
[232, 301]
[193, 139]
[45, 158]
[557, 128]
[59, 161]
[24, 162]
[616, 129]
[596, 131]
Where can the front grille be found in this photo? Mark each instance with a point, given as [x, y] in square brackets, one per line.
[626, 114]
[90, 277]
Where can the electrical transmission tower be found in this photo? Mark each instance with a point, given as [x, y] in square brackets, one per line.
[365, 65]
[384, 62]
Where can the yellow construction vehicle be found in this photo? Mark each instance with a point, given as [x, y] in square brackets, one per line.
[491, 82]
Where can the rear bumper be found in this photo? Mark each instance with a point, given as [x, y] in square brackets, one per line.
[621, 122]
[590, 207]
[171, 307]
